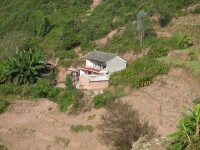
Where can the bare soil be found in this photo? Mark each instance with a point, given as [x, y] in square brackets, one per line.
[161, 102]
[39, 124]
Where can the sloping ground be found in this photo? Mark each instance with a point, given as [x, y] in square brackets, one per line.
[161, 102]
[39, 125]
[189, 24]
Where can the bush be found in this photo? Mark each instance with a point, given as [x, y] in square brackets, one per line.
[69, 83]
[66, 54]
[3, 105]
[164, 19]
[102, 99]
[156, 53]
[185, 41]
[188, 136]
[197, 9]
[140, 73]
[121, 126]
[6, 89]
[44, 89]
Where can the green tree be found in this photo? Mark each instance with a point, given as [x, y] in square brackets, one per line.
[188, 136]
[24, 67]
[185, 41]
[143, 24]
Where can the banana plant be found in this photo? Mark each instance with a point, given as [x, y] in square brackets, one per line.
[188, 136]
[24, 67]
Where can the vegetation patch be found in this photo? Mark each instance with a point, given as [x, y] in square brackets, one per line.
[188, 135]
[62, 141]
[3, 147]
[121, 126]
[102, 99]
[191, 66]
[82, 128]
[3, 106]
[140, 73]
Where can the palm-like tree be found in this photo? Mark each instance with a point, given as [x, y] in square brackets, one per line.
[24, 67]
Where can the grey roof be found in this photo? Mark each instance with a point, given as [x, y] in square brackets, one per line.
[100, 56]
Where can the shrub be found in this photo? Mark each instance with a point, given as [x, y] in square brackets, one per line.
[6, 89]
[44, 89]
[188, 136]
[197, 9]
[69, 83]
[193, 54]
[164, 19]
[102, 99]
[185, 41]
[156, 53]
[3, 105]
[81, 128]
[121, 126]
[66, 54]
[139, 74]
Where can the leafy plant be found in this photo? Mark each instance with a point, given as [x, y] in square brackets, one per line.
[188, 136]
[3, 105]
[24, 67]
[197, 9]
[140, 73]
[102, 99]
[185, 41]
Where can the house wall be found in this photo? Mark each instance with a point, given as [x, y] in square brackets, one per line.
[93, 63]
[89, 63]
[116, 64]
[86, 84]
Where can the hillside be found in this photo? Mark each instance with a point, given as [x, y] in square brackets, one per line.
[39, 101]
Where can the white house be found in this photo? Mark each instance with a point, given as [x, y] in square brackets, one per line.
[99, 65]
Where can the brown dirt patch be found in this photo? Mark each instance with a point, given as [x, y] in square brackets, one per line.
[95, 3]
[179, 55]
[161, 102]
[104, 40]
[40, 125]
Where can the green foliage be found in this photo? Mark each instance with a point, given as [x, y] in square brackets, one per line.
[82, 128]
[3, 147]
[3, 105]
[140, 73]
[156, 53]
[197, 9]
[102, 99]
[193, 54]
[24, 67]
[40, 25]
[64, 54]
[185, 41]
[44, 89]
[164, 19]
[188, 136]
[69, 83]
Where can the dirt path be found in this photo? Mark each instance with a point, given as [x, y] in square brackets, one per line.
[62, 72]
[104, 40]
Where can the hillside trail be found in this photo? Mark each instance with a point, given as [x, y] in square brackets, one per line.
[60, 78]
